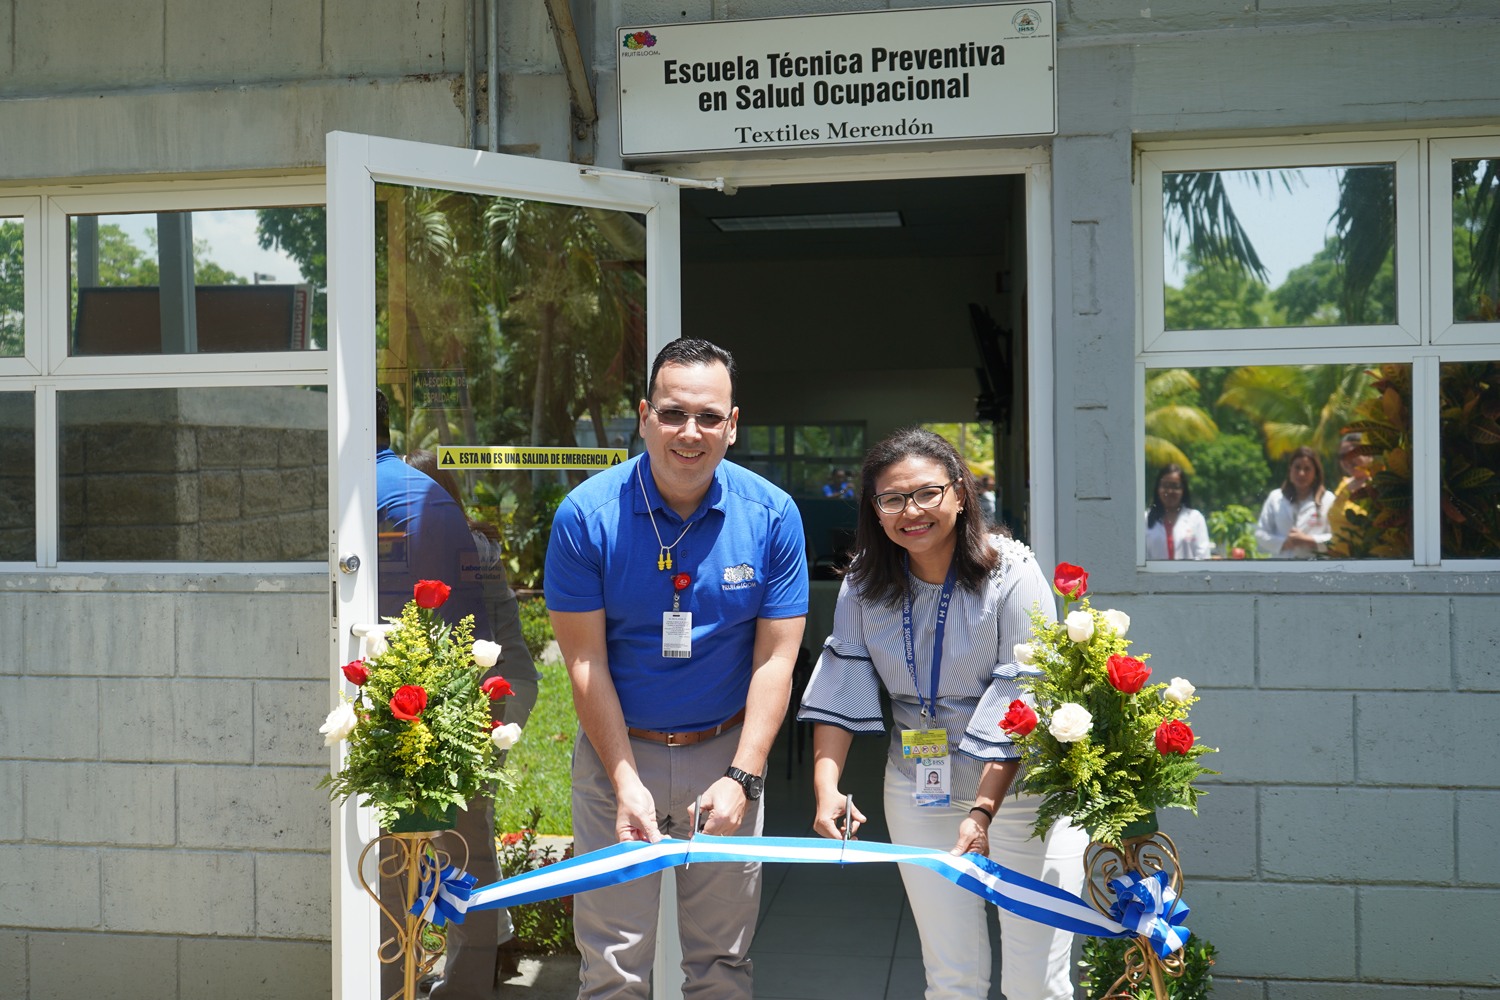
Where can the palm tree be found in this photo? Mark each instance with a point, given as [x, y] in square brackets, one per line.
[1170, 422]
[1296, 405]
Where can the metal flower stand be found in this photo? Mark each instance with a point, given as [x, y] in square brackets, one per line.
[416, 859]
[1148, 853]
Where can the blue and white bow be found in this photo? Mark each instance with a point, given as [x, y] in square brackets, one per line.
[1148, 906]
[454, 891]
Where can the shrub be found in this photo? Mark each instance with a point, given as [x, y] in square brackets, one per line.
[544, 928]
[1104, 962]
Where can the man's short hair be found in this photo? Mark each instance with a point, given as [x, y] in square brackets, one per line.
[687, 351]
[382, 418]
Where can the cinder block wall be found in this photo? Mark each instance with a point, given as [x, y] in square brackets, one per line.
[160, 834]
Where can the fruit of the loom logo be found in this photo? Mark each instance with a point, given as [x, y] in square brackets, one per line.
[640, 40]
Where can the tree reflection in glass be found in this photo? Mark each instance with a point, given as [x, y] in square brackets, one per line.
[1476, 240]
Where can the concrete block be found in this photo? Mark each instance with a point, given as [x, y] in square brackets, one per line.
[1476, 643]
[1313, 741]
[287, 717]
[1437, 936]
[99, 634]
[1238, 989]
[12, 649]
[12, 965]
[302, 536]
[1220, 841]
[1395, 643]
[102, 967]
[1270, 929]
[219, 495]
[1478, 837]
[243, 42]
[292, 896]
[262, 492]
[12, 817]
[1357, 834]
[179, 892]
[1348, 991]
[254, 970]
[205, 722]
[392, 37]
[50, 887]
[1428, 739]
[1205, 638]
[31, 709]
[280, 636]
[276, 808]
[302, 448]
[132, 804]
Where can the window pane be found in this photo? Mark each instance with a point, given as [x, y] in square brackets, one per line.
[1311, 246]
[17, 477]
[1470, 429]
[1476, 240]
[199, 282]
[216, 474]
[829, 440]
[1234, 439]
[12, 289]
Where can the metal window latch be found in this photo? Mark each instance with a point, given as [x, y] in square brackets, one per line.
[349, 563]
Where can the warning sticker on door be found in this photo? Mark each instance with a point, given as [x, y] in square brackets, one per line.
[528, 457]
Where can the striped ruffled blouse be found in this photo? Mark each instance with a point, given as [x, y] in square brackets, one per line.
[980, 672]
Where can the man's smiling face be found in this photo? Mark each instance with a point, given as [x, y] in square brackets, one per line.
[683, 458]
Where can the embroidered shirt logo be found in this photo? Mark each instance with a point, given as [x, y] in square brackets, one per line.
[738, 577]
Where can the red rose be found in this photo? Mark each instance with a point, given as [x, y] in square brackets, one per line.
[495, 724]
[408, 701]
[1173, 736]
[357, 672]
[430, 594]
[1127, 673]
[496, 687]
[1071, 581]
[1237, 553]
[1020, 720]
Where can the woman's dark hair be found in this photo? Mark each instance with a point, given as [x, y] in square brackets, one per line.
[878, 568]
[1288, 490]
[426, 463]
[1157, 511]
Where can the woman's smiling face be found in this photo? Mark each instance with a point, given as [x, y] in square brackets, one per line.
[919, 531]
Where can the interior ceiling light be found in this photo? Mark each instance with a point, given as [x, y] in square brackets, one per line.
[822, 220]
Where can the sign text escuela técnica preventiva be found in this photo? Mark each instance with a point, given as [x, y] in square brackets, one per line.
[917, 75]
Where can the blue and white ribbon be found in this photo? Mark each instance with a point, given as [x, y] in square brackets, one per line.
[1148, 907]
[1010, 890]
[454, 892]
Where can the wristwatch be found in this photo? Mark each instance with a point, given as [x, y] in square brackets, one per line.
[753, 784]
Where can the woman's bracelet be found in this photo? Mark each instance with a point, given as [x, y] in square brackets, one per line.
[987, 814]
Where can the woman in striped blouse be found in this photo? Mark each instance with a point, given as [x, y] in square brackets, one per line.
[922, 542]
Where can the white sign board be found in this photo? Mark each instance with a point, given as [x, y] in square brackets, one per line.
[920, 75]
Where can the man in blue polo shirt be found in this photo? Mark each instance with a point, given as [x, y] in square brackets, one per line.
[677, 586]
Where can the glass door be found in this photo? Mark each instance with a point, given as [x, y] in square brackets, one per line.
[492, 318]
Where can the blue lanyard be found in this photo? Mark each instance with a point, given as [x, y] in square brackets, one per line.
[937, 641]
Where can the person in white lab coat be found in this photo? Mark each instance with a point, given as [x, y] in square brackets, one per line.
[1174, 530]
[1294, 519]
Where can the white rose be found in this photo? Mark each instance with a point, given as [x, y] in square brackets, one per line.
[1179, 691]
[375, 645]
[1117, 620]
[339, 724]
[1070, 723]
[486, 653]
[506, 736]
[1024, 653]
[1080, 626]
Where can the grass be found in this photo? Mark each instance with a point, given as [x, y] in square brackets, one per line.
[542, 761]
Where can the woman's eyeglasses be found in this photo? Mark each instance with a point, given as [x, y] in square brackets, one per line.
[925, 498]
[677, 418]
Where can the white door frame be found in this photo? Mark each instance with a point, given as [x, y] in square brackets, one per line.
[356, 163]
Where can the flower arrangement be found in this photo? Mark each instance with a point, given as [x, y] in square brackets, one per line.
[1101, 744]
[420, 736]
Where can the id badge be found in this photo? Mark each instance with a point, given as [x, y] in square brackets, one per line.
[677, 634]
[928, 749]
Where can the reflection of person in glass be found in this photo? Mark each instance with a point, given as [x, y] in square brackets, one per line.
[1294, 519]
[1355, 466]
[920, 535]
[1174, 530]
[838, 485]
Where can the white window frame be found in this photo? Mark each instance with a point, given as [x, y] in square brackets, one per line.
[1422, 194]
[29, 211]
[1442, 154]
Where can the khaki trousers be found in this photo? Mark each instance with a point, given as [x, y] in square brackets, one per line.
[717, 903]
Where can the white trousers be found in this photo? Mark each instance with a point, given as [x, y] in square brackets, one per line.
[1035, 959]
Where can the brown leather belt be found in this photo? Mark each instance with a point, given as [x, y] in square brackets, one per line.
[683, 739]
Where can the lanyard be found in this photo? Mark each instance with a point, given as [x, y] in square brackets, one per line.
[937, 641]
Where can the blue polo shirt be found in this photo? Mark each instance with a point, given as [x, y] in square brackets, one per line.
[747, 559]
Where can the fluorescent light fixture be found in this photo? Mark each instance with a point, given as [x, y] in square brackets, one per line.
[823, 220]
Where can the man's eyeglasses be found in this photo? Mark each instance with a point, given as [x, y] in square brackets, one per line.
[677, 418]
[925, 498]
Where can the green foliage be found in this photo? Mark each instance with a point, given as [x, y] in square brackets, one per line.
[1173, 418]
[1215, 296]
[12, 290]
[1318, 293]
[541, 763]
[1470, 432]
[1231, 471]
[544, 928]
[1374, 521]
[442, 758]
[1114, 775]
[536, 626]
[302, 234]
[1234, 527]
[1296, 405]
[1476, 239]
[1104, 963]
